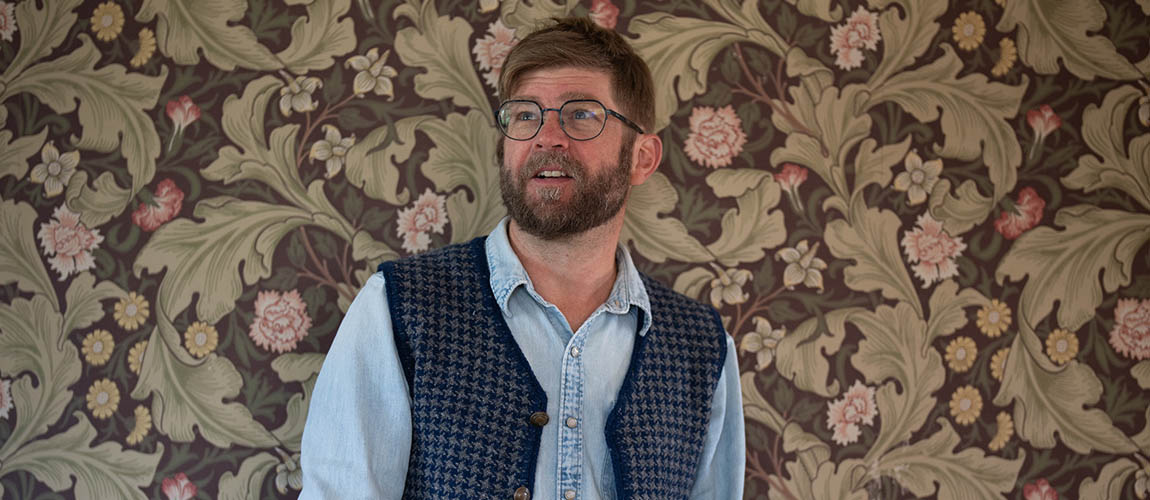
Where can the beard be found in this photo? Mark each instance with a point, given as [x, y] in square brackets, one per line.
[594, 201]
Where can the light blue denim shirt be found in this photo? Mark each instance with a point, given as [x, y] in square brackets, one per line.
[357, 439]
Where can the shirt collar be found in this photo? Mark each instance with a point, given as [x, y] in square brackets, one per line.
[508, 274]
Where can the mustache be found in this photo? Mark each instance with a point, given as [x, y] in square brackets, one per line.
[537, 161]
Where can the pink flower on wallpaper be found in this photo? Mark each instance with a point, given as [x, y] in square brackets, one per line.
[604, 13]
[281, 320]
[1131, 333]
[932, 250]
[68, 242]
[182, 112]
[1039, 490]
[856, 407]
[5, 397]
[491, 50]
[179, 488]
[1043, 121]
[7, 20]
[849, 39]
[790, 178]
[716, 136]
[168, 200]
[1029, 207]
[427, 215]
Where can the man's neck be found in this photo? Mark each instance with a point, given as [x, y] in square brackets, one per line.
[575, 273]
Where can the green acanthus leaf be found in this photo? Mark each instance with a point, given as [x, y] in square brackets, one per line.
[327, 33]
[1066, 30]
[871, 239]
[440, 44]
[966, 475]
[752, 227]
[1118, 166]
[186, 29]
[19, 258]
[14, 155]
[659, 238]
[106, 470]
[462, 163]
[1095, 241]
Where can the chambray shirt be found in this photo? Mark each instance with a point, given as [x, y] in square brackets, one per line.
[357, 440]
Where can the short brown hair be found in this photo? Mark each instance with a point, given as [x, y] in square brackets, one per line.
[579, 42]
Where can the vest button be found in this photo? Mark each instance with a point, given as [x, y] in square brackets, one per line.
[538, 419]
[522, 493]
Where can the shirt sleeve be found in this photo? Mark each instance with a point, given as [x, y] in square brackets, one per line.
[357, 438]
[723, 464]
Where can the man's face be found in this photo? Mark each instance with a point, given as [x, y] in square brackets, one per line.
[553, 186]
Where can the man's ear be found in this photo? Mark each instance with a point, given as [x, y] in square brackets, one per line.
[645, 158]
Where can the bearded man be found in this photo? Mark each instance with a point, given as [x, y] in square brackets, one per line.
[536, 362]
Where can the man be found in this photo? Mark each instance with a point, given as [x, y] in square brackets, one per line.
[536, 362]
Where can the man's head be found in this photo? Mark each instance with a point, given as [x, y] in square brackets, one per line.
[562, 181]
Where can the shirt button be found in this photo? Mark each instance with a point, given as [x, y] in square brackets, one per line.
[522, 493]
[539, 419]
[569, 494]
[575, 352]
[572, 422]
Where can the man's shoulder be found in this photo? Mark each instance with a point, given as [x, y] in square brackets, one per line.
[665, 300]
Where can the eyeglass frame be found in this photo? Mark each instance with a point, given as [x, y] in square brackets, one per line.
[543, 118]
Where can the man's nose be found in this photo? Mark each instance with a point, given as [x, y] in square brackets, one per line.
[551, 135]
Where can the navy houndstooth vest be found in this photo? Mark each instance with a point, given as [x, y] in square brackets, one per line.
[473, 391]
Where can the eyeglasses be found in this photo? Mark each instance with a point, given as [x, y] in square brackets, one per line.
[580, 119]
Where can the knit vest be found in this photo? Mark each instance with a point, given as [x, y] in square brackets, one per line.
[473, 391]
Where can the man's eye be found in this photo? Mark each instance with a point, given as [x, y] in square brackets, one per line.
[583, 114]
[524, 116]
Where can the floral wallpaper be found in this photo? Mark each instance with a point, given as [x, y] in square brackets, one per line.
[926, 225]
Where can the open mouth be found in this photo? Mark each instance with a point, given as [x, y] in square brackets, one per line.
[552, 174]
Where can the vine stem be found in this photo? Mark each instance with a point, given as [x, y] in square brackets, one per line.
[326, 277]
[760, 94]
[759, 305]
[326, 114]
[756, 470]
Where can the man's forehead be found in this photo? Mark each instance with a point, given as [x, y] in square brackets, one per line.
[576, 82]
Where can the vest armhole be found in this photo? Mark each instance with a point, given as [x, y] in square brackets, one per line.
[398, 327]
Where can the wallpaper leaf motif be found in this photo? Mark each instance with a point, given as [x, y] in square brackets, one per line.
[13, 154]
[372, 161]
[204, 257]
[185, 29]
[106, 470]
[190, 394]
[1110, 481]
[464, 157]
[41, 31]
[973, 114]
[323, 36]
[82, 305]
[819, 8]
[894, 353]
[1094, 241]
[111, 112]
[439, 45]
[1050, 31]
[247, 482]
[871, 241]
[966, 475]
[524, 14]
[1039, 413]
[681, 74]
[752, 227]
[659, 238]
[1115, 166]
[802, 354]
[905, 39]
[19, 258]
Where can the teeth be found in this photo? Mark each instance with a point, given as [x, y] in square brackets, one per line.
[552, 173]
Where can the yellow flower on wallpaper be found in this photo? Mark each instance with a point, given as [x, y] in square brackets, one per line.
[146, 49]
[136, 356]
[201, 339]
[97, 347]
[965, 405]
[998, 363]
[968, 30]
[107, 21]
[994, 318]
[141, 426]
[1007, 55]
[960, 354]
[131, 312]
[1061, 346]
[1003, 432]
[103, 397]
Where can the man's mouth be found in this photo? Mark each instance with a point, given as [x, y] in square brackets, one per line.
[551, 174]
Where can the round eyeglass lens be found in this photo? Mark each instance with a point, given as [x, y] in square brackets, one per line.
[520, 120]
[583, 120]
